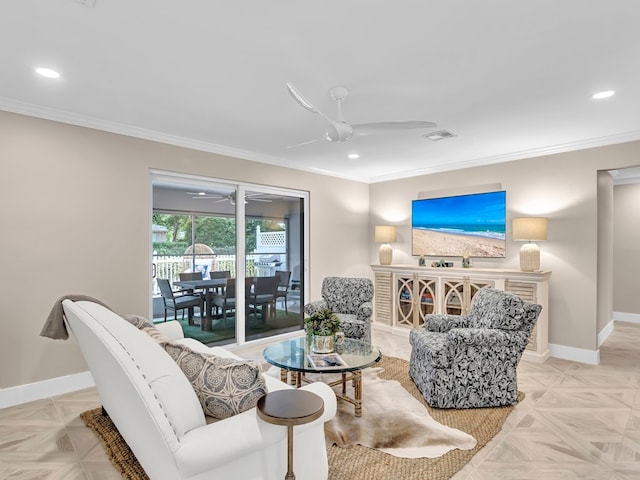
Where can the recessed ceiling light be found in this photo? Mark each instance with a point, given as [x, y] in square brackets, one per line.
[47, 72]
[605, 94]
[353, 156]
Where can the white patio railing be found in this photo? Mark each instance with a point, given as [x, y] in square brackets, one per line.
[170, 266]
[258, 264]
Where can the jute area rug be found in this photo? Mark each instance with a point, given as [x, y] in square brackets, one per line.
[354, 462]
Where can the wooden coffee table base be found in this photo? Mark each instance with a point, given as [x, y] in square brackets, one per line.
[297, 378]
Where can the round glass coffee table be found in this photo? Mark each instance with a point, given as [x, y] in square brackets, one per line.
[295, 358]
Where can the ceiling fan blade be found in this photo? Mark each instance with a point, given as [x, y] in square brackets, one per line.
[297, 96]
[383, 127]
[304, 103]
[197, 195]
[319, 139]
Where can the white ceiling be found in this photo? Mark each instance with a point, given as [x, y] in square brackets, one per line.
[509, 78]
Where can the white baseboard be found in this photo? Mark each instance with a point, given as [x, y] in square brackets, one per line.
[558, 351]
[399, 331]
[605, 332]
[44, 389]
[71, 383]
[627, 317]
[592, 357]
[381, 326]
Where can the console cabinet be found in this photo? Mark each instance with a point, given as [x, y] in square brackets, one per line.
[404, 294]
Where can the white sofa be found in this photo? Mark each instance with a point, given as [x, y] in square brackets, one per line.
[157, 412]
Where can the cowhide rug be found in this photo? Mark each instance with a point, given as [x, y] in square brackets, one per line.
[392, 421]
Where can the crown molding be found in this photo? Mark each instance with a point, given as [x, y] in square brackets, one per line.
[79, 120]
[519, 155]
[56, 115]
[86, 121]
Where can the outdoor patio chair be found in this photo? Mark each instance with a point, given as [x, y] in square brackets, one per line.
[262, 300]
[226, 301]
[283, 287]
[220, 274]
[175, 301]
[216, 290]
[186, 276]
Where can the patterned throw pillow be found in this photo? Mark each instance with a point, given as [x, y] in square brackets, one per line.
[224, 386]
[137, 321]
[149, 328]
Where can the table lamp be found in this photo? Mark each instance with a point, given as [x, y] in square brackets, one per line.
[385, 234]
[529, 229]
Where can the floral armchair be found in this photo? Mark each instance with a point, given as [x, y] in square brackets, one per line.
[350, 299]
[470, 361]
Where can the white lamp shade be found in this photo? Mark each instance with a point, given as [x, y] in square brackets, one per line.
[385, 233]
[529, 229]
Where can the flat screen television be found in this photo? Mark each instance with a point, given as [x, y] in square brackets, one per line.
[460, 225]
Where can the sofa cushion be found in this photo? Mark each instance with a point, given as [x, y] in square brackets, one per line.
[224, 386]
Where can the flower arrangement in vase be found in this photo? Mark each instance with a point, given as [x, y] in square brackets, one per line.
[321, 327]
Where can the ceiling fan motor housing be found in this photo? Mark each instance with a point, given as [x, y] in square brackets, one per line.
[339, 132]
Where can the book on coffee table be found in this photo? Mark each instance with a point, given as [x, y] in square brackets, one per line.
[326, 361]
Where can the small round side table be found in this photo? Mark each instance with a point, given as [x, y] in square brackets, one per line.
[289, 408]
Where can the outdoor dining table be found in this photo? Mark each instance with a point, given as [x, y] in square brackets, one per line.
[205, 285]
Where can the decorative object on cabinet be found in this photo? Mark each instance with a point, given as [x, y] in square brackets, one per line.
[470, 361]
[442, 264]
[404, 294]
[385, 234]
[351, 300]
[528, 229]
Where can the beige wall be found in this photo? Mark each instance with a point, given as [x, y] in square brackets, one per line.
[563, 187]
[76, 214]
[76, 206]
[604, 282]
[626, 256]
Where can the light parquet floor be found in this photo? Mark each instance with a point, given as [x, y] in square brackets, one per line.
[577, 422]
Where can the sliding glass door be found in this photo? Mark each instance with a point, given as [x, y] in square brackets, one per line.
[195, 231]
[274, 249]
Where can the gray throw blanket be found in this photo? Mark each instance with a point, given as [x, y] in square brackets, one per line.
[54, 326]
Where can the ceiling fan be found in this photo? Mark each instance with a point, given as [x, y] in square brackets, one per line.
[339, 130]
[229, 197]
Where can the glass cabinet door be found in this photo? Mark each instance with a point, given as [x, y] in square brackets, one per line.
[404, 301]
[415, 297]
[426, 296]
[458, 294]
[453, 297]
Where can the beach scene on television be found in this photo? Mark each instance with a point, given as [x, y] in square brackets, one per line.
[456, 226]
